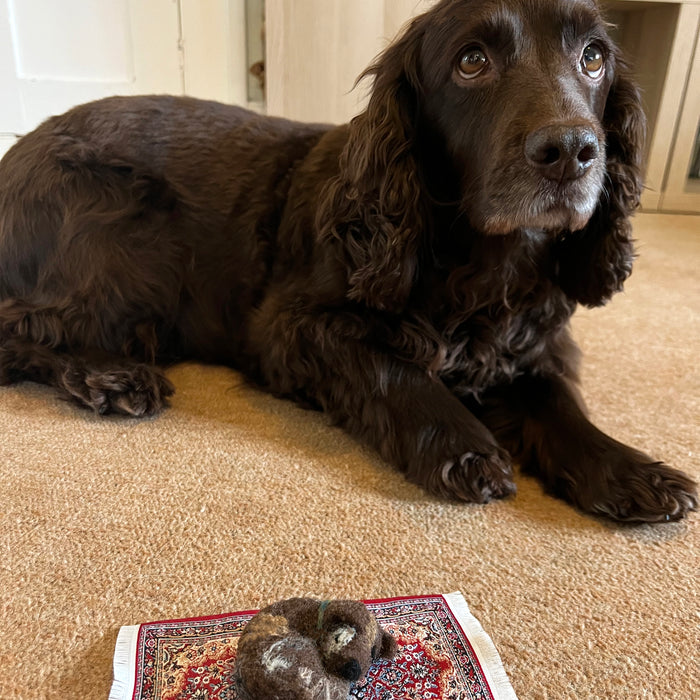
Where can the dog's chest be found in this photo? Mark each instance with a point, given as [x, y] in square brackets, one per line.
[497, 321]
[495, 345]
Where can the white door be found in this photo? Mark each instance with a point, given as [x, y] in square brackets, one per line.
[58, 53]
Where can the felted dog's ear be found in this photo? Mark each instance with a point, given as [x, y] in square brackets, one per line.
[592, 264]
[388, 647]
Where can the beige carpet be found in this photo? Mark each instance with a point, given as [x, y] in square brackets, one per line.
[232, 499]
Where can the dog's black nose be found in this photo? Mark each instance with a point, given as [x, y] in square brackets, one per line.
[562, 152]
[351, 671]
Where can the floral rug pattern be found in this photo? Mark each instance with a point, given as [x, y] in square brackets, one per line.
[194, 659]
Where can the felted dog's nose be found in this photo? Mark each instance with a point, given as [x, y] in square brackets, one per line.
[562, 151]
[351, 671]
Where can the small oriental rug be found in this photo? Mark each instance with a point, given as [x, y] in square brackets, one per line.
[444, 654]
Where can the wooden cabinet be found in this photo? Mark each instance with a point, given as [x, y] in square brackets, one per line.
[316, 49]
[682, 187]
[661, 40]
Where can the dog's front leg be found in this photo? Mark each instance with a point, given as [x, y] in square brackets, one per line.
[585, 466]
[411, 419]
[416, 423]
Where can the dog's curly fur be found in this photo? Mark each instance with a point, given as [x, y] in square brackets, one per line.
[411, 273]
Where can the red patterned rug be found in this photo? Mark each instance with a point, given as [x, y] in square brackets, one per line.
[443, 654]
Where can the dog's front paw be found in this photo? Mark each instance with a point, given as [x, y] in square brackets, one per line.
[474, 477]
[647, 492]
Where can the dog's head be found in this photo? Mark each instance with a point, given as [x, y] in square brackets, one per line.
[351, 639]
[521, 112]
[524, 99]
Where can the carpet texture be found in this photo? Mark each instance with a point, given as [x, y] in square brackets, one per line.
[233, 499]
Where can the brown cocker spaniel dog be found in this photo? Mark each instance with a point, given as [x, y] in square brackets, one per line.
[411, 273]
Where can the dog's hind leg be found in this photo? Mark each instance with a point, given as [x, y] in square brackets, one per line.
[33, 347]
[100, 381]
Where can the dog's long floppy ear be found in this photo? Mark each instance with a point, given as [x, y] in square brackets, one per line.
[372, 208]
[594, 263]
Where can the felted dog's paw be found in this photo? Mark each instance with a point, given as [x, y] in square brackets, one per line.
[475, 477]
[649, 492]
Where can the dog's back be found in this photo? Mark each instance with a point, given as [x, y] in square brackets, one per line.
[132, 212]
[134, 229]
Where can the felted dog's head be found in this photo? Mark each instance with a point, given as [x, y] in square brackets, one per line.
[303, 648]
[351, 639]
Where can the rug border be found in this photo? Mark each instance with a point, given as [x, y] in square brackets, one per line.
[487, 656]
[124, 664]
[483, 647]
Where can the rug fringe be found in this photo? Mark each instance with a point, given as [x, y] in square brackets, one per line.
[483, 647]
[125, 663]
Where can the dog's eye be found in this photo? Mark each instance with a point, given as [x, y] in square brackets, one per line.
[472, 62]
[593, 61]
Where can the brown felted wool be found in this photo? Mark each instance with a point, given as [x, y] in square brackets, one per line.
[303, 649]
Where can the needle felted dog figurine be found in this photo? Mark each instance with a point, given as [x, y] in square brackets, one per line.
[307, 649]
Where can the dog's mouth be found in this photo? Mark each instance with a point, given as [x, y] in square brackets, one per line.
[555, 219]
[551, 208]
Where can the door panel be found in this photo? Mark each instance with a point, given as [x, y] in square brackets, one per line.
[54, 55]
[11, 120]
[45, 51]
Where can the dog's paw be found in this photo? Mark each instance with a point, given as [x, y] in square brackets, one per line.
[647, 492]
[475, 477]
[136, 390]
